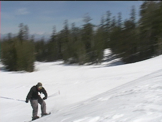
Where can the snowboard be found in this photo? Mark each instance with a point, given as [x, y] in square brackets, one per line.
[39, 117]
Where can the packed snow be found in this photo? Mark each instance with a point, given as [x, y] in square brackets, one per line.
[94, 93]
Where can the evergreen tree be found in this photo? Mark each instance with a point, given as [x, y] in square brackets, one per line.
[21, 32]
[8, 53]
[25, 56]
[87, 38]
[66, 42]
[149, 29]
[113, 23]
[40, 49]
[119, 24]
[107, 28]
[81, 51]
[18, 53]
[159, 27]
[52, 46]
[133, 15]
[26, 32]
[99, 43]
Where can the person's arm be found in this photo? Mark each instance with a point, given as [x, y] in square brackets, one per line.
[45, 94]
[29, 95]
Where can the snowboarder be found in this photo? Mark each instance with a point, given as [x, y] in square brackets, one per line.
[35, 98]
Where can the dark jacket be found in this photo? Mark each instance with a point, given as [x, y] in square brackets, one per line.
[33, 93]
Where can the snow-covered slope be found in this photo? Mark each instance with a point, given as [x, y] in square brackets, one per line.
[98, 93]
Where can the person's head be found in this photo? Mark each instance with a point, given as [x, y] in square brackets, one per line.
[39, 85]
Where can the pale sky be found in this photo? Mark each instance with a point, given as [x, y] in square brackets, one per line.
[41, 16]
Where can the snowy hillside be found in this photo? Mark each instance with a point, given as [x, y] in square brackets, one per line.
[98, 93]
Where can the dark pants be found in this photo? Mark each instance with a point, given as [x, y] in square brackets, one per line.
[34, 104]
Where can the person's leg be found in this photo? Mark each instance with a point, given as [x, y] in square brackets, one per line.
[34, 104]
[43, 106]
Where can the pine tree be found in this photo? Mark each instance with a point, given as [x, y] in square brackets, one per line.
[107, 28]
[149, 32]
[18, 53]
[133, 15]
[8, 53]
[65, 42]
[160, 30]
[119, 24]
[81, 51]
[26, 32]
[99, 43]
[52, 46]
[25, 56]
[21, 32]
[87, 38]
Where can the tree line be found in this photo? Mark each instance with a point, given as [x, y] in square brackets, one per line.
[129, 39]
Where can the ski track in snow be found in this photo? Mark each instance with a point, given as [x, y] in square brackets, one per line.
[126, 93]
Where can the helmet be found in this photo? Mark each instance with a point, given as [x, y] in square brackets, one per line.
[39, 84]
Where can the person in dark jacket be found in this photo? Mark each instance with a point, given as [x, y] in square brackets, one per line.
[35, 98]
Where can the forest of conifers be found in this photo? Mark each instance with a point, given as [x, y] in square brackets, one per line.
[131, 40]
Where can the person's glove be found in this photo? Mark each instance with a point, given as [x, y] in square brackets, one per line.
[26, 101]
[44, 98]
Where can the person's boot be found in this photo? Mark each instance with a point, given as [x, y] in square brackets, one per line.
[44, 114]
[34, 118]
